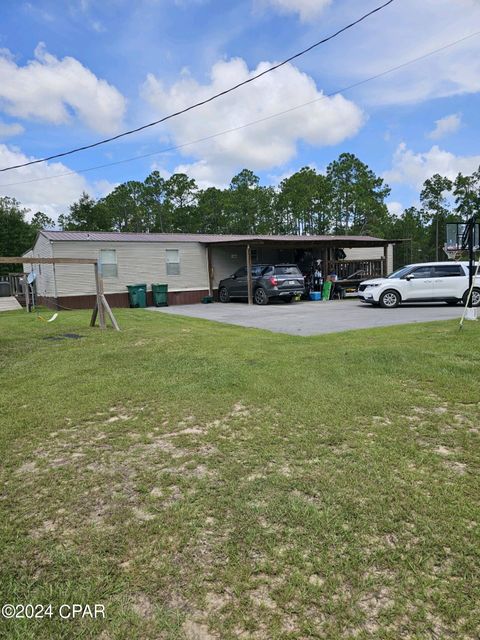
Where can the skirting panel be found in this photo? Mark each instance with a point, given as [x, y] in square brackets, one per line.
[119, 300]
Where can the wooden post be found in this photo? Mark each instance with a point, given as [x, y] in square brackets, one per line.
[385, 261]
[327, 263]
[210, 271]
[99, 291]
[93, 319]
[249, 275]
[110, 313]
[26, 291]
[324, 263]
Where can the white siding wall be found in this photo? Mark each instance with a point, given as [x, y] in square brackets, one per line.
[137, 262]
[225, 261]
[371, 253]
[45, 281]
[27, 267]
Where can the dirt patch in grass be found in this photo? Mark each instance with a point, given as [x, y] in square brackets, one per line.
[457, 467]
[27, 467]
[142, 605]
[443, 451]
[197, 631]
[113, 470]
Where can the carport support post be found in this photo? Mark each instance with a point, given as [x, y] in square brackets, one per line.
[210, 271]
[385, 261]
[249, 275]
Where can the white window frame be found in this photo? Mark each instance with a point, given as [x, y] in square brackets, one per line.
[108, 273]
[172, 266]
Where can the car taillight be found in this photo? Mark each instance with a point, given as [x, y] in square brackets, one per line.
[273, 281]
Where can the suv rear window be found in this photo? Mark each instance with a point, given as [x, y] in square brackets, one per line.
[288, 270]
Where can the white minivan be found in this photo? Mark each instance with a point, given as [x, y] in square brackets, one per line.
[425, 282]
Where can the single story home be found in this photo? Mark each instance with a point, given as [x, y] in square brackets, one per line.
[191, 264]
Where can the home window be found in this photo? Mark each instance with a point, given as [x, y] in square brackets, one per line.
[108, 263]
[173, 262]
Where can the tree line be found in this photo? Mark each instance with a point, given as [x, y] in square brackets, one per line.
[17, 235]
[349, 198]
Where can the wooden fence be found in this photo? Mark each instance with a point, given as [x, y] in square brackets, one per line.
[356, 269]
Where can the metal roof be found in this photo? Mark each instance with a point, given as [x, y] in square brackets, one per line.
[114, 236]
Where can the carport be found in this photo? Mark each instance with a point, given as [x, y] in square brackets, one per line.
[350, 272]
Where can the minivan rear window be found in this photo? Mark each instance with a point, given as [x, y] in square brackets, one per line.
[448, 271]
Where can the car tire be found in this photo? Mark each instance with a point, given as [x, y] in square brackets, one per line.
[223, 295]
[475, 297]
[260, 296]
[389, 299]
[452, 303]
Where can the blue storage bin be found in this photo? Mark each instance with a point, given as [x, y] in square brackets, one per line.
[315, 295]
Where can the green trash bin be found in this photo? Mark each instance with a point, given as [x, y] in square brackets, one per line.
[160, 295]
[137, 294]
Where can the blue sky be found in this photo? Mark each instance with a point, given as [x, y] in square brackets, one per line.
[74, 71]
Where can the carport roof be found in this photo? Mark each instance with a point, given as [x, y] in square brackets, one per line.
[306, 241]
[214, 239]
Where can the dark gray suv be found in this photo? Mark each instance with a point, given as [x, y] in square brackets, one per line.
[269, 281]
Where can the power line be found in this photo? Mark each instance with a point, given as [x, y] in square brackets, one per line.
[253, 122]
[207, 100]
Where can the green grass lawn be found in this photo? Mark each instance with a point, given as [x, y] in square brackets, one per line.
[204, 481]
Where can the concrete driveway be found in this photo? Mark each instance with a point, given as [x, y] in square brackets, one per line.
[313, 318]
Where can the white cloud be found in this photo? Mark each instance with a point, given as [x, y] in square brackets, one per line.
[38, 12]
[414, 168]
[52, 196]
[395, 208]
[405, 31]
[306, 9]
[9, 129]
[50, 89]
[445, 126]
[269, 144]
[98, 26]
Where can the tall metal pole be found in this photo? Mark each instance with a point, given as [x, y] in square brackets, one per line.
[471, 257]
